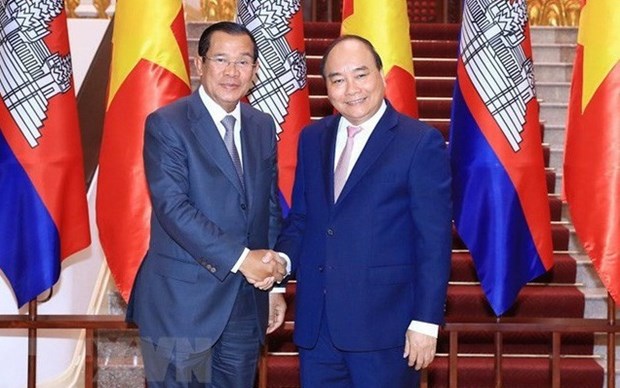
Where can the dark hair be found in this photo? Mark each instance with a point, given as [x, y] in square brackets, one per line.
[227, 27]
[364, 41]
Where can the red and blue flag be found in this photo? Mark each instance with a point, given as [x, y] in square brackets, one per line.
[500, 195]
[280, 87]
[43, 211]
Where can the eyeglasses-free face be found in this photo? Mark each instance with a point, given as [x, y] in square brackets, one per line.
[224, 83]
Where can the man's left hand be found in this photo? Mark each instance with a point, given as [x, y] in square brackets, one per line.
[419, 349]
[277, 308]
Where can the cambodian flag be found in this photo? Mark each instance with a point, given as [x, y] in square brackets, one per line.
[43, 212]
[500, 197]
[280, 87]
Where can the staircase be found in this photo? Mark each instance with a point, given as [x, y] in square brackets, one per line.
[559, 293]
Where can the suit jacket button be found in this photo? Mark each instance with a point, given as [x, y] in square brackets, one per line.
[321, 268]
[243, 206]
[212, 269]
[330, 232]
[209, 267]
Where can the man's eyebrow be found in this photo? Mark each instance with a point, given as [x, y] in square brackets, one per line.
[359, 68]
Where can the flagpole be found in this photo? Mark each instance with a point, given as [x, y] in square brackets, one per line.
[32, 345]
[611, 343]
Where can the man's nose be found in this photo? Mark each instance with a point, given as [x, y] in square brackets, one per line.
[231, 69]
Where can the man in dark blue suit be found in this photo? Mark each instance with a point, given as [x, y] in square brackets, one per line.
[211, 170]
[369, 233]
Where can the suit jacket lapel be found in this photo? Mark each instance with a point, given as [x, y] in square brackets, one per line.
[328, 150]
[251, 153]
[209, 138]
[378, 141]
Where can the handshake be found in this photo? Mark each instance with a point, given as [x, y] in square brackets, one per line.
[262, 268]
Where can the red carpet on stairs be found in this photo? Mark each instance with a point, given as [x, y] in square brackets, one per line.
[526, 362]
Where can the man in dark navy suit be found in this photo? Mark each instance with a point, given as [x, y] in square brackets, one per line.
[369, 233]
[211, 169]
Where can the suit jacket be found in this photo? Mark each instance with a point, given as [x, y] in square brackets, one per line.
[380, 256]
[201, 221]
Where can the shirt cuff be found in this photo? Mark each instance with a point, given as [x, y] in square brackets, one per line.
[244, 254]
[430, 329]
[288, 262]
[278, 290]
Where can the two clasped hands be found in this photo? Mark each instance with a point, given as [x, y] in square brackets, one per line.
[262, 268]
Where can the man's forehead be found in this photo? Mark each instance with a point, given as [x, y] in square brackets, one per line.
[347, 69]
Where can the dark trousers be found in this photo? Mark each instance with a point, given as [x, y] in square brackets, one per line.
[230, 363]
[327, 366]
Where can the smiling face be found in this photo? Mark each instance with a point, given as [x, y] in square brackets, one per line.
[355, 85]
[226, 85]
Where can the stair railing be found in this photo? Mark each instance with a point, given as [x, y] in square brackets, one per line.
[556, 326]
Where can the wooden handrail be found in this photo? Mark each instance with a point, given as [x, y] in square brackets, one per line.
[64, 321]
[555, 326]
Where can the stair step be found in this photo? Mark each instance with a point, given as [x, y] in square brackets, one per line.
[468, 301]
[481, 342]
[553, 52]
[283, 371]
[422, 67]
[555, 135]
[549, 34]
[554, 113]
[119, 359]
[434, 108]
[553, 71]
[120, 376]
[431, 31]
[533, 301]
[419, 48]
[563, 271]
[560, 236]
[553, 91]
[425, 86]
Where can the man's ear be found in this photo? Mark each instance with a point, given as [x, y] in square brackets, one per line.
[198, 64]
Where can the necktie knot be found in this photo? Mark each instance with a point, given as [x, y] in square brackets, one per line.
[229, 123]
[353, 130]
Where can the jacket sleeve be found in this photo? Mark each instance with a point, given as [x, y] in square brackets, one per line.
[166, 167]
[290, 239]
[431, 208]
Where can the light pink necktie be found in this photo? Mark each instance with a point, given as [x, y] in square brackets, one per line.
[340, 175]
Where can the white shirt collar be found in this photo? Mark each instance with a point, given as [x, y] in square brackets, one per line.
[216, 111]
[368, 125]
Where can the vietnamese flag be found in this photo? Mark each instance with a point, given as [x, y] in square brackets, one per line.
[386, 26]
[592, 151]
[149, 69]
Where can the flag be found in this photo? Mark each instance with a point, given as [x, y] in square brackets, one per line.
[43, 211]
[386, 26]
[280, 87]
[149, 69]
[592, 153]
[501, 208]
